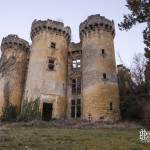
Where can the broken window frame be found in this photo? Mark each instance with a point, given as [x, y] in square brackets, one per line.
[75, 108]
[76, 63]
[51, 64]
[76, 86]
[73, 86]
[53, 45]
[78, 107]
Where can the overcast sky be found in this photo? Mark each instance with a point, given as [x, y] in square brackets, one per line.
[17, 15]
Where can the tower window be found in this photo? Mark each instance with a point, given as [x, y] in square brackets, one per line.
[104, 75]
[53, 45]
[106, 26]
[103, 51]
[76, 63]
[51, 64]
[75, 108]
[111, 106]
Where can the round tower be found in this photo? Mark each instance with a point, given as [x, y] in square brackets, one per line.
[13, 67]
[47, 72]
[100, 86]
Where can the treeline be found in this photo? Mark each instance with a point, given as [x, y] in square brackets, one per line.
[134, 90]
[135, 98]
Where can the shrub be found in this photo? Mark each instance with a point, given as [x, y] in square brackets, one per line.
[9, 112]
[130, 108]
[30, 111]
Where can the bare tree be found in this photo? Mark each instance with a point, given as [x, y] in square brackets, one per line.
[138, 68]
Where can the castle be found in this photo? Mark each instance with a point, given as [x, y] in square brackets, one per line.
[72, 80]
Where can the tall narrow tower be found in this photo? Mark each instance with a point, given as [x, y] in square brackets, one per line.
[13, 67]
[47, 72]
[100, 87]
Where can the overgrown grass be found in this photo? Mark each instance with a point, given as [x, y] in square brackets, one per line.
[30, 110]
[9, 113]
[39, 138]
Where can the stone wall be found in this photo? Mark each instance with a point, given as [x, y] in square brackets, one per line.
[42, 82]
[2, 83]
[98, 58]
[13, 67]
[75, 53]
[51, 43]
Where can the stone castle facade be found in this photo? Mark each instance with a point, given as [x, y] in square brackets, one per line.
[72, 80]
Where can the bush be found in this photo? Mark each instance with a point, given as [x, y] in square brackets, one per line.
[130, 108]
[9, 112]
[30, 111]
[146, 113]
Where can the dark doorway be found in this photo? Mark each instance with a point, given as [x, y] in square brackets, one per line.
[47, 111]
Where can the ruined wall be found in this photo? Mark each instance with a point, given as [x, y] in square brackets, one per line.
[74, 53]
[50, 44]
[124, 80]
[50, 40]
[13, 67]
[2, 83]
[100, 87]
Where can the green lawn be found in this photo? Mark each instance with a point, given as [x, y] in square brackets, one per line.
[47, 138]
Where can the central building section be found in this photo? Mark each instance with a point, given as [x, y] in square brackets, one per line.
[47, 70]
[74, 80]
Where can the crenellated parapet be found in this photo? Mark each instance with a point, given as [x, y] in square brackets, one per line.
[13, 41]
[123, 68]
[56, 27]
[95, 23]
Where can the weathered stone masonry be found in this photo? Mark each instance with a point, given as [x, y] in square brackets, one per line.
[100, 87]
[72, 80]
[49, 85]
[13, 67]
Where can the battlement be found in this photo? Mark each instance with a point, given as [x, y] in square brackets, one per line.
[96, 22]
[50, 26]
[122, 68]
[13, 40]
